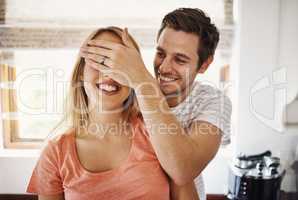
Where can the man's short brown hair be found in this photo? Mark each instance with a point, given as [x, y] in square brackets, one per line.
[194, 20]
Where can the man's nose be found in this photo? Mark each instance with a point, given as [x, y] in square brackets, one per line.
[165, 66]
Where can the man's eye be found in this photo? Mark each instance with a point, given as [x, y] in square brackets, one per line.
[179, 61]
[160, 54]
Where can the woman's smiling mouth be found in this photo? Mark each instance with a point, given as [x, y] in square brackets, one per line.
[108, 87]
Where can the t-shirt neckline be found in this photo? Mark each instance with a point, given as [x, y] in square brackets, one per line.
[106, 172]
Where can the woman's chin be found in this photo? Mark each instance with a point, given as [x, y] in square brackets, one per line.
[108, 107]
[110, 100]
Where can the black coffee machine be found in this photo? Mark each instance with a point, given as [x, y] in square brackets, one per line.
[255, 177]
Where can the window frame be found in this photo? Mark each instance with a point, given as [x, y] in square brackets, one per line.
[10, 131]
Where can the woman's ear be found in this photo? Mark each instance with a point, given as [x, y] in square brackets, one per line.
[205, 64]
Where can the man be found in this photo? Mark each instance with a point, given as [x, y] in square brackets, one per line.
[186, 120]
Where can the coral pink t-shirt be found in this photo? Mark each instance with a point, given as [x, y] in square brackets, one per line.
[59, 170]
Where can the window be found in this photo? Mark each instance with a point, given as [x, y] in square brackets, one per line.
[32, 94]
[39, 48]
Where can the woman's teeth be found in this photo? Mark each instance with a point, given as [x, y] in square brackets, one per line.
[108, 88]
[164, 78]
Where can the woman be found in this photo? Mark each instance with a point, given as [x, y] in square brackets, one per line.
[106, 154]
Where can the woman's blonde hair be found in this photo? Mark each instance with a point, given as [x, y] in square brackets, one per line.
[76, 113]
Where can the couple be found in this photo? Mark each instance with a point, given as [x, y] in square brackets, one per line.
[134, 136]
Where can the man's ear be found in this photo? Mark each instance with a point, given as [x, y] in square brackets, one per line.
[205, 64]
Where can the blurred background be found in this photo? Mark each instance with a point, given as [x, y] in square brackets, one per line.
[256, 65]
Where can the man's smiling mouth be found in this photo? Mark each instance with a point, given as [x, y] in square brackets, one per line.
[166, 78]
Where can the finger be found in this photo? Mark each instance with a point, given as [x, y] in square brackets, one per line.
[97, 66]
[99, 59]
[103, 61]
[105, 44]
[108, 63]
[119, 78]
[126, 39]
[97, 50]
[94, 57]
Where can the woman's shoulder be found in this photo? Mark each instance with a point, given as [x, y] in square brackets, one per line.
[60, 141]
[63, 134]
[63, 137]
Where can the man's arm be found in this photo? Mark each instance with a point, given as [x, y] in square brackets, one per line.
[185, 192]
[182, 155]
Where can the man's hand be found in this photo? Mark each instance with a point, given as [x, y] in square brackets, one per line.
[123, 63]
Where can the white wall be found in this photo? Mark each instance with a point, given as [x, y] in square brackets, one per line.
[267, 63]
[94, 11]
[289, 45]
[258, 52]
[15, 173]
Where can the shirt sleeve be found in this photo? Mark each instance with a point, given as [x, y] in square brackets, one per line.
[216, 109]
[45, 179]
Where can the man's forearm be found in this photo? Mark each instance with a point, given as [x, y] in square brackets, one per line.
[184, 192]
[174, 148]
